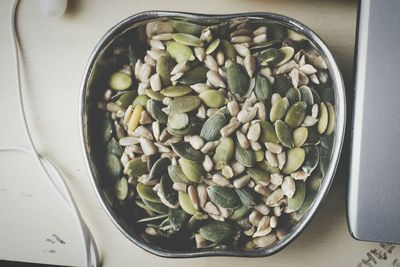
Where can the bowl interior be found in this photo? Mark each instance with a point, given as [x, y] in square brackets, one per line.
[110, 55]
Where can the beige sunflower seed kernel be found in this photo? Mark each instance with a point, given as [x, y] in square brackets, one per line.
[273, 222]
[242, 139]
[112, 107]
[255, 217]
[145, 72]
[222, 72]
[220, 180]
[129, 140]
[245, 127]
[274, 197]
[211, 63]
[233, 107]
[227, 63]
[220, 57]
[241, 39]
[149, 60]
[322, 76]
[181, 67]
[308, 69]
[299, 175]
[157, 44]
[119, 130]
[202, 195]
[314, 111]
[144, 132]
[242, 50]
[227, 172]
[215, 79]
[145, 118]
[266, 72]
[254, 132]
[271, 158]
[147, 146]
[201, 112]
[262, 190]
[107, 95]
[240, 32]
[262, 208]
[241, 181]
[238, 168]
[273, 147]
[231, 127]
[247, 115]
[277, 211]
[309, 121]
[209, 146]
[261, 111]
[303, 79]
[294, 75]
[177, 76]
[256, 146]
[192, 192]
[137, 68]
[264, 241]
[287, 67]
[260, 38]
[260, 30]
[249, 64]
[288, 186]
[276, 179]
[314, 78]
[211, 208]
[208, 164]
[206, 35]
[151, 231]
[124, 159]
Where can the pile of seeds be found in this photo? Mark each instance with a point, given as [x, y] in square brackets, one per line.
[214, 132]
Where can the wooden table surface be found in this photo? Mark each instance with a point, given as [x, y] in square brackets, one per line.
[35, 226]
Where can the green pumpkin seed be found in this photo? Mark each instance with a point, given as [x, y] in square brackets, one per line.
[245, 157]
[186, 203]
[313, 137]
[185, 104]
[224, 150]
[186, 39]
[297, 200]
[195, 75]
[113, 147]
[167, 192]
[311, 160]
[159, 168]
[185, 150]
[177, 218]
[155, 110]
[213, 98]
[224, 196]
[278, 109]
[197, 221]
[192, 128]
[121, 188]
[140, 100]
[284, 133]
[113, 165]
[307, 95]
[146, 192]
[176, 91]
[282, 84]
[176, 174]
[178, 120]
[187, 27]
[213, 46]
[293, 95]
[276, 32]
[180, 52]
[211, 128]
[155, 206]
[267, 167]
[125, 99]
[268, 132]
[263, 88]
[136, 167]
[331, 119]
[294, 159]
[240, 213]
[217, 231]
[269, 57]
[194, 171]
[300, 136]
[265, 45]
[287, 53]
[258, 175]
[296, 114]
[229, 50]
[154, 95]
[247, 196]
[323, 118]
[308, 200]
[259, 155]
[120, 81]
[151, 160]
[238, 80]
[107, 130]
[164, 67]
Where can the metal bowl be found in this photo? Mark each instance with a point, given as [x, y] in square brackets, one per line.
[101, 63]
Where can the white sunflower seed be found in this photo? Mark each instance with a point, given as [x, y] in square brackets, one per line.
[242, 50]
[145, 71]
[262, 208]
[145, 118]
[242, 139]
[209, 146]
[309, 121]
[261, 111]
[308, 69]
[262, 190]
[157, 44]
[147, 146]
[260, 30]
[180, 67]
[260, 38]
[211, 208]
[264, 241]
[255, 217]
[299, 175]
[220, 180]
[271, 158]
[274, 197]
[215, 79]
[200, 53]
[227, 172]
[211, 63]
[249, 64]
[273, 147]
[288, 186]
[246, 115]
[138, 67]
[202, 195]
[276, 179]
[254, 132]
[241, 181]
[220, 57]
[208, 164]
[281, 157]
[314, 111]
[231, 127]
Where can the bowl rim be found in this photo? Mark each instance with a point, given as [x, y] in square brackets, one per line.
[340, 104]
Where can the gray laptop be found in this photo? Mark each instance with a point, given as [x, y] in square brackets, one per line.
[374, 185]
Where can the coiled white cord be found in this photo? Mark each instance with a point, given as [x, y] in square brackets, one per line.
[54, 176]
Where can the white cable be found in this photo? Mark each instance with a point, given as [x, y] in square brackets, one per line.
[54, 176]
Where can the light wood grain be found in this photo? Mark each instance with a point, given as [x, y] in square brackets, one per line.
[55, 54]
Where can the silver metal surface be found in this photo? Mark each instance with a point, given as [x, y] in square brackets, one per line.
[374, 186]
[86, 104]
